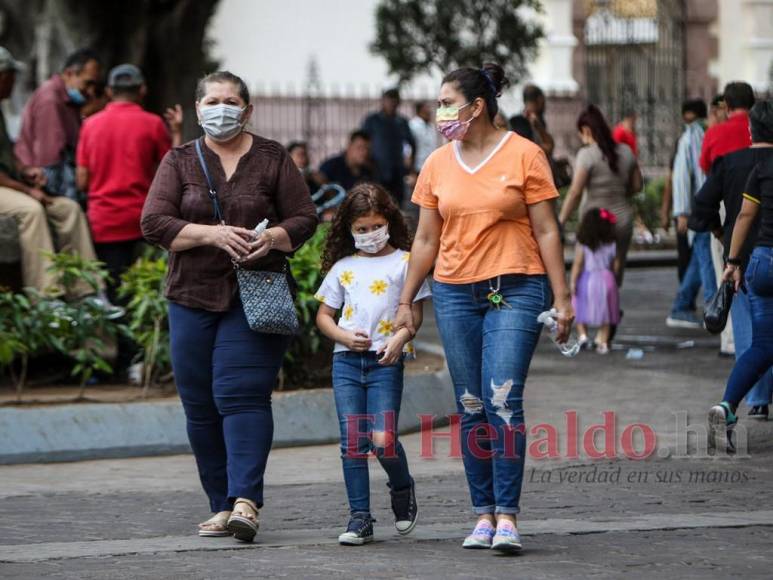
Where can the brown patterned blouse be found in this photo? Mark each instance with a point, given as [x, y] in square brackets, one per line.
[266, 184]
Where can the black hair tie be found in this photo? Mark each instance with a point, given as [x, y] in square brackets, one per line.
[490, 81]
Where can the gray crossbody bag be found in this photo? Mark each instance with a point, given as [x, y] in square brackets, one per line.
[266, 297]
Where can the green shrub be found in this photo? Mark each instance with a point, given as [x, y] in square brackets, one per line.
[648, 202]
[85, 327]
[143, 288]
[306, 267]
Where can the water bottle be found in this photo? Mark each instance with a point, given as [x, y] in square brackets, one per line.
[569, 348]
[260, 228]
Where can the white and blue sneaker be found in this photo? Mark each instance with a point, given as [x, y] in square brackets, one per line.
[359, 531]
[507, 539]
[480, 538]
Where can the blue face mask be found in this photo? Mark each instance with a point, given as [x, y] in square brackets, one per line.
[76, 97]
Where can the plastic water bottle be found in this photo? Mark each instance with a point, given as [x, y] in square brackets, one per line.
[569, 348]
[260, 228]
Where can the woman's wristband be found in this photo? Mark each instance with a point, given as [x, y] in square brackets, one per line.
[734, 262]
[404, 304]
[272, 238]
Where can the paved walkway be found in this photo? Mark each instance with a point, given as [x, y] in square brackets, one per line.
[680, 513]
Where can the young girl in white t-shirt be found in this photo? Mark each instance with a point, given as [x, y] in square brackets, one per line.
[366, 260]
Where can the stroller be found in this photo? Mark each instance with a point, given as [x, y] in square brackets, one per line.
[327, 199]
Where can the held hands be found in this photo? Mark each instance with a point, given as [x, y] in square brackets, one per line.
[392, 350]
[733, 273]
[35, 176]
[404, 319]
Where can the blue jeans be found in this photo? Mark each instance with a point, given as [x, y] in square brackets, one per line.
[758, 358]
[741, 317]
[225, 374]
[368, 397]
[700, 272]
[488, 353]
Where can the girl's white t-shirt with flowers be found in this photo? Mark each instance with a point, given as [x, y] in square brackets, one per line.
[367, 291]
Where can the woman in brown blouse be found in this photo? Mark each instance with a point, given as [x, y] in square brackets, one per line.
[225, 372]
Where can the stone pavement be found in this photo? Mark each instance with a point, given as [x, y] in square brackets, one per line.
[679, 513]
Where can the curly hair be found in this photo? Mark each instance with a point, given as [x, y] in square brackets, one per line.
[595, 230]
[363, 199]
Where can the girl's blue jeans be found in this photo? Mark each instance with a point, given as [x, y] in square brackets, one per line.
[758, 358]
[488, 351]
[368, 397]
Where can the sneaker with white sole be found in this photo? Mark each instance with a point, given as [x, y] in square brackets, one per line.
[405, 508]
[359, 531]
[507, 538]
[683, 320]
[481, 536]
[722, 421]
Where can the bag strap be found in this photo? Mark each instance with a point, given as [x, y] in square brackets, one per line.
[212, 191]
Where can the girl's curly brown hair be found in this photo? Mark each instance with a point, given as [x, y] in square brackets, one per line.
[363, 199]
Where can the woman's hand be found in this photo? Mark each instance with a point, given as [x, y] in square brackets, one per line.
[565, 318]
[404, 319]
[733, 273]
[233, 240]
[356, 341]
[391, 352]
[260, 247]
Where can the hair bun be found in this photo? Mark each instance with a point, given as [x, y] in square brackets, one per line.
[497, 75]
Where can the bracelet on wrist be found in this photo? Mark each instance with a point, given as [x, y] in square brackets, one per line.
[734, 262]
[272, 238]
[404, 304]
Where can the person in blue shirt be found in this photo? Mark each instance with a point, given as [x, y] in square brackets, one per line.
[389, 133]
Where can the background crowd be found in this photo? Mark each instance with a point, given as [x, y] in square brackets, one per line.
[76, 179]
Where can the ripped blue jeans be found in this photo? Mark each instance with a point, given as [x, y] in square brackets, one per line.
[488, 352]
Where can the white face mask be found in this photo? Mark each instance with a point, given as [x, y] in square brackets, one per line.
[221, 122]
[372, 242]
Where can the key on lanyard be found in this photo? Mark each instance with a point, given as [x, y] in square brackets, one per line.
[495, 296]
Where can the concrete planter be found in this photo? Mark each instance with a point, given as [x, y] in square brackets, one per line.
[98, 431]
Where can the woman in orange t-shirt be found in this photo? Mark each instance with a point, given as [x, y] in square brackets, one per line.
[488, 225]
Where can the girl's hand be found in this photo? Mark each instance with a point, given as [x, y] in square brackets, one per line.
[733, 273]
[357, 341]
[565, 318]
[391, 352]
[404, 319]
[233, 240]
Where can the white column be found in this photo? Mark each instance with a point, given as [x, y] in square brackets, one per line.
[745, 35]
[552, 70]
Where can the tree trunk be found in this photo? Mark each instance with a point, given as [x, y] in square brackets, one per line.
[165, 38]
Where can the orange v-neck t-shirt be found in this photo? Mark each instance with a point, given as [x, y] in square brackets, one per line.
[486, 228]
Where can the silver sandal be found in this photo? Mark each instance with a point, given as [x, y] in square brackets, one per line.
[220, 520]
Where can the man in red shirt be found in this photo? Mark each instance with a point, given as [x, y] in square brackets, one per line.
[733, 134]
[625, 132]
[118, 152]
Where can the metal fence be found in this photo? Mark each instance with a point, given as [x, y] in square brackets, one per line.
[323, 122]
[637, 64]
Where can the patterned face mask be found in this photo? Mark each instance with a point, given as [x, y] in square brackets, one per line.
[448, 122]
[372, 242]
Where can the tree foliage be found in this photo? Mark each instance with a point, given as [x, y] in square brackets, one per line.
[421, 36]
